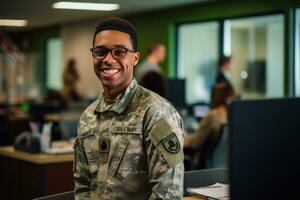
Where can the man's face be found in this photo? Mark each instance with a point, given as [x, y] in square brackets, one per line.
[114, 73]
[161, 52]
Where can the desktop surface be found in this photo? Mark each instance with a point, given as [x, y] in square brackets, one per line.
[265, 149]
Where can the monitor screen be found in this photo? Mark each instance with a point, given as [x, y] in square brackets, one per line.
[176, 92]
[200, 110]
[264, 149]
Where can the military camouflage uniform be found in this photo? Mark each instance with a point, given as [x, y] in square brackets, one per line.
[129, 149]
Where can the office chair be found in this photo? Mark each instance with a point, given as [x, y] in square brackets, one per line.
[219, 154]
[215, 152]
[61, 196]
[198, 178]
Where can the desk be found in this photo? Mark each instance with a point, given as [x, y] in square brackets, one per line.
[27, 176]
[193, 198]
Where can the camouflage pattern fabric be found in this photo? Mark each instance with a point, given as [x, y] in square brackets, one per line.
[131, 148]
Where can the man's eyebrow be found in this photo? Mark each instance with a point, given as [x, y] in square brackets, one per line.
[114, 46]
[99, 46]
[118, 46]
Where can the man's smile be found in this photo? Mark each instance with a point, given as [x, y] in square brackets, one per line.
[109, 72]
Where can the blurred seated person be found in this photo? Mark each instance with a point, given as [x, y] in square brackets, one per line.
[155, 82]
[211, 124]
[70, 78]
[156, 54]
[224, 72]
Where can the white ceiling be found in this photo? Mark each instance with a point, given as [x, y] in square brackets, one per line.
[40, 12]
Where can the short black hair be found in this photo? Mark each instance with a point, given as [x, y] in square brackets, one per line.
[118, 24]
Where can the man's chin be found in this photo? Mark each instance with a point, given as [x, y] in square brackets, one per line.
[110, 84]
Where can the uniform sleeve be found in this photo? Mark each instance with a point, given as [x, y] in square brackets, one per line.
[165, 157]
[81, 173]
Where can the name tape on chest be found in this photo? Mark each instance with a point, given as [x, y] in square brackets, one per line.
[127, 129]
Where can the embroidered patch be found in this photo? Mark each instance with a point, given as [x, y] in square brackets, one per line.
[171, 143]
[104, 145]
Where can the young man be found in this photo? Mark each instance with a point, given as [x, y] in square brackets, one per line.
[156, 54]
[129, 142]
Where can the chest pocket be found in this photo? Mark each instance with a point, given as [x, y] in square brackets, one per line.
[118, 155]
[91, 149]
[129, 140]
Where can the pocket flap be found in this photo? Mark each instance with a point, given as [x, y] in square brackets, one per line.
[118, 155]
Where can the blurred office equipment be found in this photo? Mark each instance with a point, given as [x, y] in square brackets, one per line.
[264, 149]
[41, 109]
[256, 80]
[176, 92]
[28, 142]
[68, 123]
[69, 119]
[60, 196]
[198, 110]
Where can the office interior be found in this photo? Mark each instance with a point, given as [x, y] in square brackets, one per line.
[262, 37]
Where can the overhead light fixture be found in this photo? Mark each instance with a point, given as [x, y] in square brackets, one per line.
[85, 6]
[13, 22]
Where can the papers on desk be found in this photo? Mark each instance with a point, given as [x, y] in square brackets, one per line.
[60, 150]
[215, 191]
[60, 147]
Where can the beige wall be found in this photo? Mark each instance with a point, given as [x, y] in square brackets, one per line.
[77, 40]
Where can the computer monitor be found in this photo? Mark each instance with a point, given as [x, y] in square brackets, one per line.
[176, 92]
[200, 110]
[264, 149]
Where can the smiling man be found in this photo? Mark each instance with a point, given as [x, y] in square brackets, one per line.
[129, 142]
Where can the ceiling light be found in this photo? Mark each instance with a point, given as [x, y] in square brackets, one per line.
[85, 6]
[13, 22]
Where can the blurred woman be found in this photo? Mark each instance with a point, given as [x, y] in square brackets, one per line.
[211, 124]
[70, 78]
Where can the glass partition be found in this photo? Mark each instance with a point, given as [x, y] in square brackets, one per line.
[297, 53]
[257, 47]
[198, 50]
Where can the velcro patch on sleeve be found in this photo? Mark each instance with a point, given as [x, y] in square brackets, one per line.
[165, 139]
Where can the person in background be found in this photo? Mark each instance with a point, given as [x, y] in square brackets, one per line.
[225, 65]
[210, 125]
[223, 74]
[70, 78]
[156, 54]
[155, 82]
[130, 140]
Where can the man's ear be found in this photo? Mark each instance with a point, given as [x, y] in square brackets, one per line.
[136, 58]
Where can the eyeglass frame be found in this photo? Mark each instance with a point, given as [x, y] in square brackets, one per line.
[110, 51]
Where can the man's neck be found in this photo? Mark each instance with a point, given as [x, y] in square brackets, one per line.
[112, 93]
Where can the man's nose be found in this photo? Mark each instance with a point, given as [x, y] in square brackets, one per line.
[109, 58]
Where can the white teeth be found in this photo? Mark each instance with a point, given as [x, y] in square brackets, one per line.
[110, 71]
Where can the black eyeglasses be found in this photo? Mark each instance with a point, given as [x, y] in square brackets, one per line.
[117, 53]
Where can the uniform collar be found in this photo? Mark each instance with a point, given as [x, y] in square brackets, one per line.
[121, 102]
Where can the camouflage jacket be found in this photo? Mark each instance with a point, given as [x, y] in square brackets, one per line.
[129, 149]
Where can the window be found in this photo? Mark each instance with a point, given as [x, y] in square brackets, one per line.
[198, 52]
[297, 54]
[54, 63]
[257, 45]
